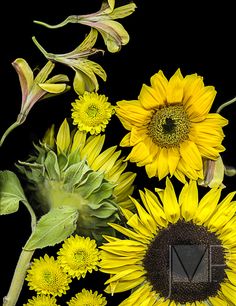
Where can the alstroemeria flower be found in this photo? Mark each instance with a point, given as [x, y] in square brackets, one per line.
[113, 33]
[85, 70]
[36, 88]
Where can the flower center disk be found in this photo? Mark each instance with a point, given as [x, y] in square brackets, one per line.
[169, 126]
[185, 263]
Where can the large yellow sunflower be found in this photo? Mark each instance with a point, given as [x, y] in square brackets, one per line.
[178, 252]
[170, 127]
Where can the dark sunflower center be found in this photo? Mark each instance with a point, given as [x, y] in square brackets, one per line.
[169, 126]
[185, 263]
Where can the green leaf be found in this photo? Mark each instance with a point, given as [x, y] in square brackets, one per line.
[11, 192]
[53, 227]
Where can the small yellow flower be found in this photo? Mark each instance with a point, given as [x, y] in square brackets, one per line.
[42, 300]
[46, 276]
[92, 112]
[87, 298]
[78, 255]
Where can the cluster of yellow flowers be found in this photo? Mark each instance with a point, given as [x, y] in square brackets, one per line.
[164, 248]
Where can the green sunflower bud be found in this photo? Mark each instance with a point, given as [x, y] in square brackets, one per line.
[68, 174]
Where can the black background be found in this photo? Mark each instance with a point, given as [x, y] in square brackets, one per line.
[163, 36]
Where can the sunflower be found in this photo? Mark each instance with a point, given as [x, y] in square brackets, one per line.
[92, 112]
[70, 170]
[46, 276]
[178, 252]
[78, 255]
[171, 130]
[42, 300]
[87, 298]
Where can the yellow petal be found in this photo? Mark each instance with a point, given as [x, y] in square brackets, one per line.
[103, 158]
[175, 88]
[93, 148]
[147, 97]
[192, 85]
[188, 200]
[63, 136]
[225, 211]
[207, 205]
[163, 167]
[133, 112]
[191, 155]
[229, 292]
[145, 218]
[201, 104]
[125, 142]
[159, 82]
[173, 159]
[79, 140]
[154, 207]
[53, 88]
[25, 75]
[170, 203]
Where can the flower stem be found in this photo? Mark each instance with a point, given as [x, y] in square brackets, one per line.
[222, 106]
[18, 278]
[11, 128]
[21, 267]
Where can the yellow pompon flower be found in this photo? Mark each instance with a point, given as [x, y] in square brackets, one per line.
[88, 298]
[92, 112]
[46, 276]
[78, 255]
[177, 252]
[42, 300]
[170, 128]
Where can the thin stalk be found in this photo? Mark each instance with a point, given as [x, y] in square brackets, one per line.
[7, 132]
[222, 106]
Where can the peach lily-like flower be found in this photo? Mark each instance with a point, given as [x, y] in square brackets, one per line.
[85, 69]
[113, 33]
[34, 89]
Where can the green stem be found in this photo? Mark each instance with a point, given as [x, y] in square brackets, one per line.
[11, 128]
[70, 19]
[221, 107]
[18, 278]
[21, 267]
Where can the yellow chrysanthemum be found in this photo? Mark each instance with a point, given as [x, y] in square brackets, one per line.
[87, 298]
[42, 300]
[92, 112]
[46, 276]
[79, 255]
[171, 130]
[178, 252]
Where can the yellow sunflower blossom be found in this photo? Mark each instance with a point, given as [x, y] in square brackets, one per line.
[88, 298]
[46, 276]
[78, 255]
[170, 127]
[92, 112]
[42, 300]
[177, 252]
